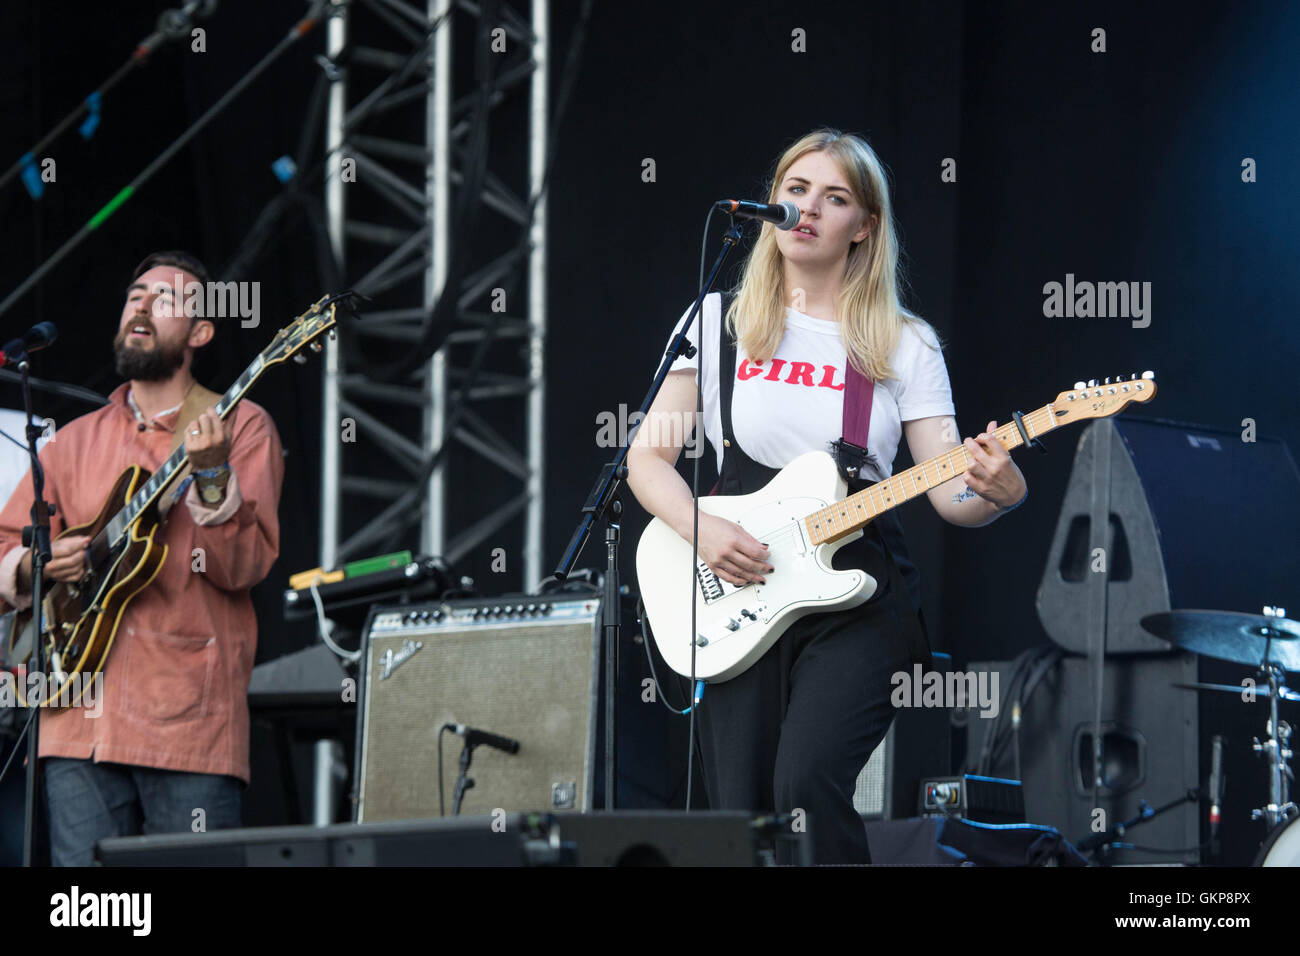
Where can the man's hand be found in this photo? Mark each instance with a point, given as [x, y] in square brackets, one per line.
[992, 474]
[67, 561]
[207, 441]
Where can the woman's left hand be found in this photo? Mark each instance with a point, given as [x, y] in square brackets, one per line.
[992, 474]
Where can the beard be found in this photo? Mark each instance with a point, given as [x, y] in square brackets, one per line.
[147, 365]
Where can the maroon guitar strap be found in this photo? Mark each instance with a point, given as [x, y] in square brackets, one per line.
[851, 449]
[859, 393]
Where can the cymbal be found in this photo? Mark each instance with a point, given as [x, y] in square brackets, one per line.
[1230, 636]
[1261, 690]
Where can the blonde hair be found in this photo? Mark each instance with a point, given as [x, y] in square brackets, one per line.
[869, 311]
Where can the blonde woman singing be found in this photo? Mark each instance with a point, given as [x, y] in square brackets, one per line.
[794, 730]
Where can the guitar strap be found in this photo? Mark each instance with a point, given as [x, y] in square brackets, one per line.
[197, 400]
[859, 393]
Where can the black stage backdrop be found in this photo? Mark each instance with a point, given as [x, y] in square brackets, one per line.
[1122, 165]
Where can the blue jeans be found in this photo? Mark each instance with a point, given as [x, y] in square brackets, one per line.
[89, 802]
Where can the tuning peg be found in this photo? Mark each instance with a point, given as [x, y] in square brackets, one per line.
[1079, 386]
[1092, 383]
[332, 335]
[315, 345]
[1149, 375]
[300, 359]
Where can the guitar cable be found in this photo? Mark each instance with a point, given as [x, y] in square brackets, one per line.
[695, 506]
[324, 626]
[22, 734]
[660, 694]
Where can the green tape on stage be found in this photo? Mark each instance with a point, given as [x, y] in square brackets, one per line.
[385, 562]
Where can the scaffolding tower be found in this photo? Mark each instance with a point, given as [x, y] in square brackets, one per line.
[387, 58]
[416, 179]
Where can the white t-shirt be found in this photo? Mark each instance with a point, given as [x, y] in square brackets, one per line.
[794, 403]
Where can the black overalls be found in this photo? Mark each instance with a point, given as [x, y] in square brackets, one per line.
[794, 730]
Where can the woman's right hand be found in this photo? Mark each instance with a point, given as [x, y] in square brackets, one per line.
[731, 552]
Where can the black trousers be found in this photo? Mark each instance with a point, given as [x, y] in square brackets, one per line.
[793, 732]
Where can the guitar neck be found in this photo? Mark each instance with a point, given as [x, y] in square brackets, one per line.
[844, 517]
[167, 472]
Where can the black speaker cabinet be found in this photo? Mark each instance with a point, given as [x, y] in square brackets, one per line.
[523, 668]
[1195, 518]
[620, 838]
[1149, 733]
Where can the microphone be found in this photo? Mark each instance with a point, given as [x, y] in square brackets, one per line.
[783, 215]
[474, 736]
[1216, 782]
[39, 336]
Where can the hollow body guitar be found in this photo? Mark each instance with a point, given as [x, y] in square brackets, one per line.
[805, 515]
[126, 552]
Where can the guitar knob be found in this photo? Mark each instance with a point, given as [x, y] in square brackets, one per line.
[1092, 383]
[1148, 375]
[1079, 386]
[315, 345]
[300, 359]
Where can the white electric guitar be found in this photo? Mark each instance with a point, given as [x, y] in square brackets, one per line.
[804, 517]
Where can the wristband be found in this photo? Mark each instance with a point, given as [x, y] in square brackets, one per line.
[1017, 504]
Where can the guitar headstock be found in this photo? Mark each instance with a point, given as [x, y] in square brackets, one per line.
[1096, 399]
[306, 330]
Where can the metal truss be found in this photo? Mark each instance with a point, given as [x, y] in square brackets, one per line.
[389, 215]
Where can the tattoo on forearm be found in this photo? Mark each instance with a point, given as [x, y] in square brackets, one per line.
[963, 495]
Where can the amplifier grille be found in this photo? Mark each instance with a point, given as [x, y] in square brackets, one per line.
[531, 680]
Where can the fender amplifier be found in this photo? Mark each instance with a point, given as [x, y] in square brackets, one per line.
[518, 666]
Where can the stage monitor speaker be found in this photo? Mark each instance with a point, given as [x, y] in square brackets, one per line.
[521, 667]
[1198, 518]
[1149, 750]
[621, 838]
[505, 840]
[917, 746]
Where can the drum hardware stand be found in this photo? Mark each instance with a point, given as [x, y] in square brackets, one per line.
[1277, 753]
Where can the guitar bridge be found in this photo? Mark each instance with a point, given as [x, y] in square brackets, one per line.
[710, 583]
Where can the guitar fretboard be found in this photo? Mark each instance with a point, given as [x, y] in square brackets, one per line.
[844, 517]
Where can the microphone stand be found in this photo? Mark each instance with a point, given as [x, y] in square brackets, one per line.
[1101, 844]
[37, 537]
[463, 780]
[604, 505]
